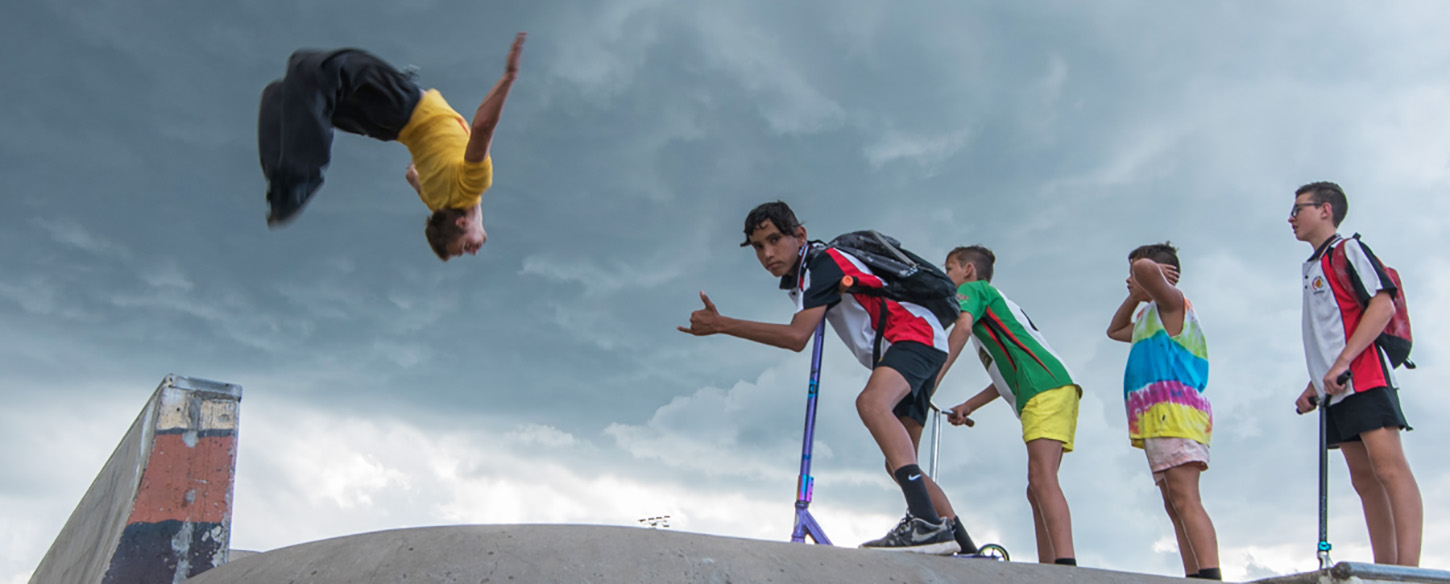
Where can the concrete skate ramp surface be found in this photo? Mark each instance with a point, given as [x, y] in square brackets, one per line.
[499, 554]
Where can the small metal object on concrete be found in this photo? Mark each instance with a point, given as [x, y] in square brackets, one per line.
[159, 511]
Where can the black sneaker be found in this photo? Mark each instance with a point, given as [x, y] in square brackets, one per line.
[918, 536]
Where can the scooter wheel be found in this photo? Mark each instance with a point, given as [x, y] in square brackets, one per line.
[994, 551]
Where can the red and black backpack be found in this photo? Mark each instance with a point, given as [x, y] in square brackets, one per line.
[1396, 339]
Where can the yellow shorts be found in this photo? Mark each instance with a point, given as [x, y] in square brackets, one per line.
[1052, 414]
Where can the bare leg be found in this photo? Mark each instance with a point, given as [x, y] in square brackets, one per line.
[1374, 500]
[1049, 507]
[1180, 495]
[874, 405]
[1401, 494]
[1045, 553]
[1190, 564]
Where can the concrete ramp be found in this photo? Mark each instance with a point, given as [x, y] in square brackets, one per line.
[160, 509]
[500, 554]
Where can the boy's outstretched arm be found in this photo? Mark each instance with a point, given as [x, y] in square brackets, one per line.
[1376, 316]
[958, 415]
[487, 116]
[794, 336]
[957, 339]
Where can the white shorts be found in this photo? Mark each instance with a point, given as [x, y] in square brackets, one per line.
[1166, 453]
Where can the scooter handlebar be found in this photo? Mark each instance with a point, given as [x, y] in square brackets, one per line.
[1342, 379]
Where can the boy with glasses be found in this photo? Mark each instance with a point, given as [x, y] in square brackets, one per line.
[1364, 416]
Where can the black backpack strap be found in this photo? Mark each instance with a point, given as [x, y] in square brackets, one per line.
[880, 334]
[896, 253]
[1354, 282]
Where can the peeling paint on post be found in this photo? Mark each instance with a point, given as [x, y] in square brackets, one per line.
[160, 509]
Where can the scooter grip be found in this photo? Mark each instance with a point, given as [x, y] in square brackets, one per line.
[1342, 379]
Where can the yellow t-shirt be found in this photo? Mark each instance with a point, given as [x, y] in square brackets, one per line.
[437, 136]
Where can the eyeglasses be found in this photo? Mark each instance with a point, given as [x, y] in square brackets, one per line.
[1297, 206]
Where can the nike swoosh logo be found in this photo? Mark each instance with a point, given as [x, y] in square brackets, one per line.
[913, 477]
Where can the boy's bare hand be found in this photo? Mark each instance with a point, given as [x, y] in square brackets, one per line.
[1302, 404]
[513, 61]
[958, 416]
[1170, 273]
[1136, 292]
[1332, 384]
[411, 176]
[706, 321]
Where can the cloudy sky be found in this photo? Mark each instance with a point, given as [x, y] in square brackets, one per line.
[544, 382]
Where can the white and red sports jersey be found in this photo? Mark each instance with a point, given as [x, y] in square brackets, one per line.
[1331, 313]
[817, 283]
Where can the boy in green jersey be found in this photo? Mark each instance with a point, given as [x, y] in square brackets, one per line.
[1026, 373]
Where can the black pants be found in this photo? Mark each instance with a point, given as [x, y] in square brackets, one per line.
[347, 89]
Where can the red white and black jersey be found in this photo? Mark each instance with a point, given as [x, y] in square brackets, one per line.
[817, 283]
[1332, 311]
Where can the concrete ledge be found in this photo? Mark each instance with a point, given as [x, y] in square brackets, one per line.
[498, 554]
[1358, 573]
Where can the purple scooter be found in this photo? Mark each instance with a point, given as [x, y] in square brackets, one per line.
[805, 524]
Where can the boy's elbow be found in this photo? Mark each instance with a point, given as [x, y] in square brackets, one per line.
[799, 342]
[484, 127]
[1142, 267]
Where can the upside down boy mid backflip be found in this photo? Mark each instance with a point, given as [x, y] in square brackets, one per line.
[356, 92]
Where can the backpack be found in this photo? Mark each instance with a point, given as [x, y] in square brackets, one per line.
[1396, 339]
[907, 277]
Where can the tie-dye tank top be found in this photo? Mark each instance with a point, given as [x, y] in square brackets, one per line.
[1165, 379]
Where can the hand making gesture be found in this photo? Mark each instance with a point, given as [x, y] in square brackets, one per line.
[706, 321]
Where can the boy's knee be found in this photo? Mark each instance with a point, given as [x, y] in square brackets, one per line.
[1363, 478]
[298, 59]
[1182, 498]
[1386, 474]
[868, 404]
[1040, 482]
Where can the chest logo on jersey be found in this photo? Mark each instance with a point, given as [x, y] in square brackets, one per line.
[1318, 285]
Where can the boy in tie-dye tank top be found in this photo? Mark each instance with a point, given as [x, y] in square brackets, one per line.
[1168, 415]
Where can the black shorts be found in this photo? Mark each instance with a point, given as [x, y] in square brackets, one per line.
[919, 364]
[1364, 411]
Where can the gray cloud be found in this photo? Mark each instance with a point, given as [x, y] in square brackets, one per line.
[1060, 134]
